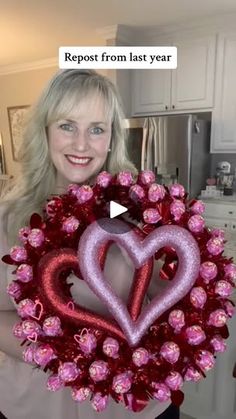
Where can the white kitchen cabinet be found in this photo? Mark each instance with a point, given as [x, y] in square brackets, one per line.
[223, 132]
[221, 215]
[193, 80]
[221, 223]
[227, 224]
[189, 87]
[215, 396]
[151, 91]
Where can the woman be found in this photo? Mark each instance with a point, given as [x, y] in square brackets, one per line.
[75, 130]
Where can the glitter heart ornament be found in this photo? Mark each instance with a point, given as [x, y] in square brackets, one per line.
[99, 233]
[57, 261]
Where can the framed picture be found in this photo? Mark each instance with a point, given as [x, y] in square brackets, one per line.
[17, 116]
[2, 158]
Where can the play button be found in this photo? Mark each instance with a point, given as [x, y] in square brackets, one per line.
[116, 209]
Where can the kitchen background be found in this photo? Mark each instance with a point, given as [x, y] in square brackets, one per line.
[203, 85]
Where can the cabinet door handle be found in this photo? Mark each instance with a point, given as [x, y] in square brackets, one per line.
[225, 225]
[173, 106]
[166, 107]
[230, 212]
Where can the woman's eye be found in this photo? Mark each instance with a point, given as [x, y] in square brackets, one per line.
[96, 130]
[66, 127]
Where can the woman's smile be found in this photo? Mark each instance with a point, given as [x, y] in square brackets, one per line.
[78, 161]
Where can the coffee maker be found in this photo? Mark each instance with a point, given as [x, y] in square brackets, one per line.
[224, 178]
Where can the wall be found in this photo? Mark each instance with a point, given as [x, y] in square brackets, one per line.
[18, 89]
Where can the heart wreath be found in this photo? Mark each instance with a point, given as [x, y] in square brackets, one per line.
[137, 353]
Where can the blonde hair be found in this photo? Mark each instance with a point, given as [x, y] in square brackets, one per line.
[37, 182]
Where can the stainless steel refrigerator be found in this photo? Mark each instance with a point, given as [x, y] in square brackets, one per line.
[176, 148]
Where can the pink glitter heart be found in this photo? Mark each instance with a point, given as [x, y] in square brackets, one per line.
[38, 304]
[99, 233]
[33, 338]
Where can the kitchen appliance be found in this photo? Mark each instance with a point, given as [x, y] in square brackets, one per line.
[175, 147]
[223, 166]
[226, 182]
[224, 178]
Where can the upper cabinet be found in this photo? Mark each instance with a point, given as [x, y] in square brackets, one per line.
[151, 91]
[223, 133]
[189, 87]
[193, 80]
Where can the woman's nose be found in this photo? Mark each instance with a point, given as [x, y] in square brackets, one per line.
[81, 142]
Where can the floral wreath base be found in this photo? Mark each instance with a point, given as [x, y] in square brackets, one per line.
[179, 346]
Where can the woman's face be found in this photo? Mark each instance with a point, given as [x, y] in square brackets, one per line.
[79, 144]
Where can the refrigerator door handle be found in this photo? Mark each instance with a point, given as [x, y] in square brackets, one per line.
[156, 146]
[160, 143]
[165, 136]
[150, 139]
[144, 144]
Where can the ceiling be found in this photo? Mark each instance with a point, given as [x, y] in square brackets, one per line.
[33, 30]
